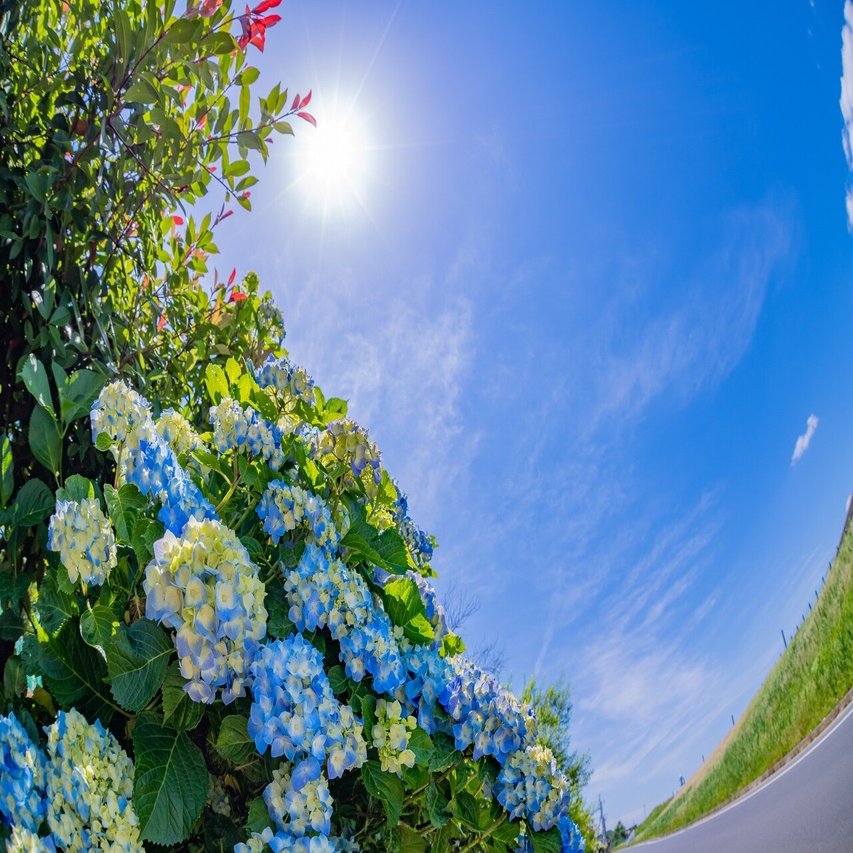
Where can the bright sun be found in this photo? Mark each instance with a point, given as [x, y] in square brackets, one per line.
[334, 160]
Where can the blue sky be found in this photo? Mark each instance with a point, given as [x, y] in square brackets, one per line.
[590, 281]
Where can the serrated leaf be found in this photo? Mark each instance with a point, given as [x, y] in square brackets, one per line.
[179, 711]
[258, 818]
[34, 377]
[436, 804]
[33, 503]
[338, 679]
[146, 531]
[386, 549]
[233, 742]
[170, 782]
[96, 625]
[411, 841]
[405, 608]
[55, 606]
[279, 625]
[444, 753]
[466, 808]
[421, 744]
[45, 440]
[103, 442]
[78, 393]
[385, 787]
[137, 659]
[77, 488]
[124, 506]
[75, 673]
[216, 382]
[546, 842]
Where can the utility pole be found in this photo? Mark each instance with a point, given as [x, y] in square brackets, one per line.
[603, 824]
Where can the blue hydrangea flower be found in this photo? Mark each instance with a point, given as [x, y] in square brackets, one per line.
[372, 647]
[23, 840]
[89, 787]
[419, 542]
[530, 785]
[345, 441]
[22, 777]
[84, 538]
[204, 585]
[236, 428]
[283, 508]
[570, 836]
[428, 676]
[294, 712]
[291, 380]
[484, 713]
[118, 412]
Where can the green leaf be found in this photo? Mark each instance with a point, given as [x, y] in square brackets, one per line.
[451, 644]
[386, 549]
[436, 804]
[546, 842]
[170, 782]
[96, 625]
[466, 808]
[368, 713]
[258, 818]
[34, 377]
[137, 659]
[76, 674]
[385, 787]
[338, 679]
[404, 605]
[444, 753]
[124, 506]
[78, 393]
[7, 470]
[183, 31]
[45, 440]
[216, 382]
[103, 442]
[234, 743]
[33, 503]
[277, 605]
[146, 531]
[142, 92]
[77, 488]
[421, 744]
[179, 711]
[411, 841]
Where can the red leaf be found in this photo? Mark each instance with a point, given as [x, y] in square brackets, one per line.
[269, 20]
[178, 220]
[161, 322]
[232, 276]
[308, 117]
[266, 4]
[236, 296]
[305, 101]
[295, 104]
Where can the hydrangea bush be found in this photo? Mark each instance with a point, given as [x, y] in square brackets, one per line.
[217, 623]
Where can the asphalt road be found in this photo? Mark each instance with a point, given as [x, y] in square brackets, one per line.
[807, 807]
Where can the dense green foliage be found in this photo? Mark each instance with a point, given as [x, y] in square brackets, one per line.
[121, 123]
[810, 678]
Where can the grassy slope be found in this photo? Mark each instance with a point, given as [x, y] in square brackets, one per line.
[807, 682]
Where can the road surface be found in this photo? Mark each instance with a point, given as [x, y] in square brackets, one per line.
[807, 807]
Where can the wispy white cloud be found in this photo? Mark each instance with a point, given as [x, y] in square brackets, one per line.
[804, 440]
[846, 99]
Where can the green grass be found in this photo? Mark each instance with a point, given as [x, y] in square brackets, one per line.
[808, 681]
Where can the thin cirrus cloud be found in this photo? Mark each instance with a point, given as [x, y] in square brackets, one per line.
[846, 99]
[804, 440]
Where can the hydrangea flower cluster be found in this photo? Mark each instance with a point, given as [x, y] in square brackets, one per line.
[176, 431]
[484, 713]
[22, 777]
[429, 675]
[145, 458]
[391, 736]
[89, 787]
[530, 785]
[235, 428]
[345, 441]
[204, 585]
[294, 712]
[23, 840]
[119, 411]
[84, 538]
[280, 374]
[327, 593]
[571, 840]
[298, 799]
[283, 508]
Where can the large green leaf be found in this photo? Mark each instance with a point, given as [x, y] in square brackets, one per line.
[386, 787]
[55, 606]
[35, 378]
[33, 503]
[179, 711]
[78, 392]
[546, 842]
[76, 674]
[137, 659]
[234, 743]
[45, 440]
[97, 625]
[386, 549]
[124, 506]
[170, 781]
[404, 605]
